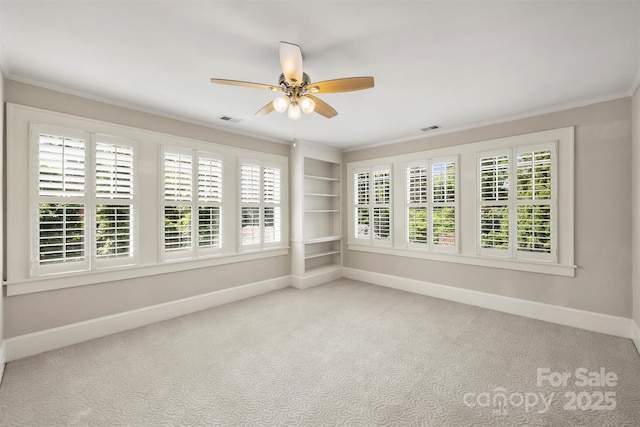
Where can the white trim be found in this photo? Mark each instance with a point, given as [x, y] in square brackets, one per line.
[591, 321]
[51, 339]
[494, 262]
[635, 335]
[3, 359]
[323, 275]
[148, 144]
[44, 283]
[467, 223]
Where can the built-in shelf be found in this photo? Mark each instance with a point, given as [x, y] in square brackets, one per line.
[321, 254]
[317, 255]
[323, 269]
[322, 178]
[322, 239]
[321, 195]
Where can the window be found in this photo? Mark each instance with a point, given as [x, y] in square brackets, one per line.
[271, 206]
[62, 200]
[362, 205]
[97, 197]
[431, 189]
[517, 203]
[184, 237]
[260, 209]
[494, 203]
[490, 203]
[178, 189]
[418, 204]
[373, 205]
[69, 201]
[114, 201]
[535, 203]
[209, 202]
[443, 208]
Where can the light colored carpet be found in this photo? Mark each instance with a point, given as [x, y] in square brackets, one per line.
[345, 353]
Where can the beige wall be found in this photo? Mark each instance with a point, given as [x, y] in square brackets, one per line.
[602, 215]
[38, 311]
[2, 334]
[636, 205]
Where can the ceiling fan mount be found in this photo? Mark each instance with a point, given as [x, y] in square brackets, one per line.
[297, 89]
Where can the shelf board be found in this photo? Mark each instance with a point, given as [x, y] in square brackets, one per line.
[321, 195]
[322, 178]
[321, 254]
[322, 211]
[322, 269]
[322, 239]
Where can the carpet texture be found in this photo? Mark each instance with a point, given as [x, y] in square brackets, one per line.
[344, 353]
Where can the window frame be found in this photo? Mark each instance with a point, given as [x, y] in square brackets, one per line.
[209, 251]
[426, 205]
[132, 259]
[372, 205]
[21, 277]
[431, 204]
[194, 251]
[455, 204]
[261, 205]
[512, 203]
[89, 200]
[467, 221]
[164, 203]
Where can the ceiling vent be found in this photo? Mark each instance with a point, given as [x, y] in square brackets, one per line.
[427, 129]
[230, 119]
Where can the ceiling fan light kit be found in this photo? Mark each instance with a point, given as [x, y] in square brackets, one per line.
[297, 87]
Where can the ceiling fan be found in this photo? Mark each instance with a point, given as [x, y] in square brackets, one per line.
[298, 91]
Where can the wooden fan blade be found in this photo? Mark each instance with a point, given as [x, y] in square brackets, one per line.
[323, 108]
[246, 84]
[266, 109]
[291, 63]
[341, 85]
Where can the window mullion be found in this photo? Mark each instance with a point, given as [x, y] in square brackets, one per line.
[513, 203]
[195, 199]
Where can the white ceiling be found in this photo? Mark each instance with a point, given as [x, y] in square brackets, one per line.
[455, 64]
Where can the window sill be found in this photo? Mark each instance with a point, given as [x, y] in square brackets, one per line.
[508, 264]
[69, 280]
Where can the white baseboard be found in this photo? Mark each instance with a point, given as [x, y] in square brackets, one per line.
[51, 339]
[597, 322]
[635, 335]
[323, 275]
[3, 360]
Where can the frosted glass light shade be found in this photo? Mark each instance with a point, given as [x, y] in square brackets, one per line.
[294, 111]
[307, 105]
[281, 103]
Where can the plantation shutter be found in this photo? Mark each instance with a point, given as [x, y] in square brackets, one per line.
[444, 204]
[361, 204]
[62, 202]
[536, 203]
[382, 205]
[250, 201]
[494, 169]
[178, 189]
[271, 215]
[418, 204]
[209, 202]
[114, 200]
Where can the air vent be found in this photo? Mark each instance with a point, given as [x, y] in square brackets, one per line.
[230, 119]
[434, 127]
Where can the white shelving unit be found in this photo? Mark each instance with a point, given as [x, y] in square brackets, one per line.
[316, 214]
